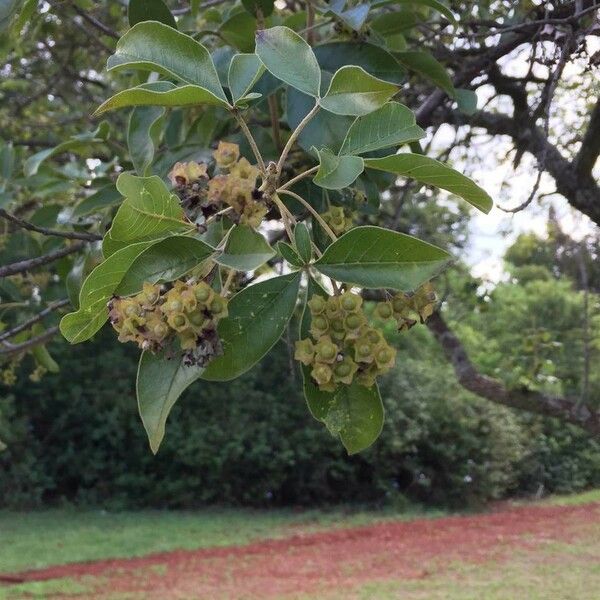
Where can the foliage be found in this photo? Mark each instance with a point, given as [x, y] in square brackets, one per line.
[309, 128]
[252, 442]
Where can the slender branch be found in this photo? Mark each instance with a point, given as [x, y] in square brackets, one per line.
[310, 22]
[298, 178]
[251, 141]
[274, 115]
[97, 24]
[294, 136]
[31, 343]
[36, 319]
[69, 235]
[285, 216]
[312, 211]
[32, 263]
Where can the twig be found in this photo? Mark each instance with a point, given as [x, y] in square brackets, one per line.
[34, 341]
[285, 216]
[32, 263]
[311, 209]
[69, 235]
[296, 179]
[30, 322]
[294, 137]
[97, 24]
[251, 141]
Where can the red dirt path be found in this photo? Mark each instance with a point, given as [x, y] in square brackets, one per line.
[331, 559]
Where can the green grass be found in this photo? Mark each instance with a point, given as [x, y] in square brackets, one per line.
[51, 537]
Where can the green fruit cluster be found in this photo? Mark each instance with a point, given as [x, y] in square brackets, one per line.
[404, 307]
[339, 219]
[343, 347]
[186, 312]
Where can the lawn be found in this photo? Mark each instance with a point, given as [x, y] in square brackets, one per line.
[542, 551]
[37, 539]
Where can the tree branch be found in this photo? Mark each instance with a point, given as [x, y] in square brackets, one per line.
[5, 335]
[69, 235]
[32, 263]
[31, 343]
[590, 145]
[581, 191]
[521, 398]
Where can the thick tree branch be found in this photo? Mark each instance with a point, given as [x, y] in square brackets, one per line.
[581, 191]
[69, 235]
[590, 145]
[26, 265]
[522, 398]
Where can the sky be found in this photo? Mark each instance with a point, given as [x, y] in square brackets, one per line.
[490, 165]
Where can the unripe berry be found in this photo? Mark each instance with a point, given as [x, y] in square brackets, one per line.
[321, 374]
[305, 351]
[317, 305]
[384, 310]
[337, 325]
[202, 292]
[326, 350]
[173, 306]
[197, 318]
[353, 322]
[178, 321]
[351, 302]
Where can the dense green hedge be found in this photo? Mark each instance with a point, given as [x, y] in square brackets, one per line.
[76, 436]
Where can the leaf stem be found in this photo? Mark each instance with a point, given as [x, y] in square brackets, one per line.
[285, 216]
[294, 136]
[296, 179]
[313, 212]
[227, 283]
[251, 141]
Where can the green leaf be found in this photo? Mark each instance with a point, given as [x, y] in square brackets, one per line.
[147, 95]
[432, 172]
[373, 59]
[238, 31]
[40, 353]
[372, 257]
[437, 6]
[258, 316]
[166, 260]
[289, 254]
[160, 381]
[354, 17]
[466, 101]
[105, 197]
[325, 128]
[78, 144]
[337, 172]
[149, 212]
[354, 413]
[393, 124]
[244, 71]
[150, 10]
[96, 291]
[142, 135]
[245, 249]
[289, 58]
[153, 46]
[254, 6]
[303, 242]
[353, 91]
[426, 65]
